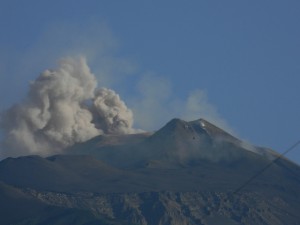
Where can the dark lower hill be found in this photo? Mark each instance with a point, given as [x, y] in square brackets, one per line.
[83, 190]
[187, 173]
[79, 173]
[20, 208]
[151, 208]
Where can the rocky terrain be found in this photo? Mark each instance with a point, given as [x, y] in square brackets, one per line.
[185, 173]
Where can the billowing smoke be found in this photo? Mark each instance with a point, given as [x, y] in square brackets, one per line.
[63, 107]
[110, 113]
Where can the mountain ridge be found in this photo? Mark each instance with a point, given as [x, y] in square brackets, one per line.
[177, 139]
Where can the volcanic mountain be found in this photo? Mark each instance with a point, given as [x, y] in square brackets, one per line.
[184, 173]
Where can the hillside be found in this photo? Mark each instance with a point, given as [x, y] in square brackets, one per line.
[185, 173]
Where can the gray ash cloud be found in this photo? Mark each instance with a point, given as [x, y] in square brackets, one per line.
[63, 106]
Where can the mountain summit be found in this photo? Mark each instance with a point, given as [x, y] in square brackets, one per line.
[178, 141]
[184, 173]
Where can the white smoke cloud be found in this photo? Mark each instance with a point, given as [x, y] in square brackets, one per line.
[197, 106]
[156, 105]
[63, 107]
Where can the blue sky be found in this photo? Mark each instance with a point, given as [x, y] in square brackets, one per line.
[244, 55]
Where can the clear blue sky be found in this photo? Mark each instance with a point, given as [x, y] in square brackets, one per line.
[244, 54]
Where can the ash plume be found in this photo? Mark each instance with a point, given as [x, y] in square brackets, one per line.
[63, 107]
[110, 114]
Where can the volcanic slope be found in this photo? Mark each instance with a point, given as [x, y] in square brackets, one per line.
[185, 173]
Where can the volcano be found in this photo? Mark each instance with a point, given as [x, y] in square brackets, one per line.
[184, 173]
